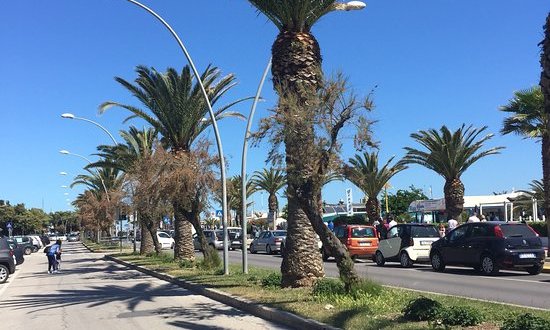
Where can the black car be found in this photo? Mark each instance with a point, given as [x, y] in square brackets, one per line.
[26, 242]
[18, 251]
[7, 262]
[490, 246]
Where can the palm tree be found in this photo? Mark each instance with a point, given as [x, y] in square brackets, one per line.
[271, 181]
[234, 195]
[297, 75]
[367, 176]
[450, 154]
[545, 87]
[177, 110]
[529, 119]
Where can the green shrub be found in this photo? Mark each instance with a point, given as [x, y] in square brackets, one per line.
[460, 315]
[526, 321]
[186, 264]
[422, 309]
[365, 286]
[211, 260]
[273, 280]
[328, 286]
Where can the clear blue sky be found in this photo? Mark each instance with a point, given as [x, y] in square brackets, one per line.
[435, 62]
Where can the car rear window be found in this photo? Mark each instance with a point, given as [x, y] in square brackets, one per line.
[424, 231]
[362, 232]
[517, 231]
[279, 233]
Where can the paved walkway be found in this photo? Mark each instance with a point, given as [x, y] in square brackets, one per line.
[90, 293]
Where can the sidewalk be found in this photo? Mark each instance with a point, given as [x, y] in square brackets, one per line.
[91, 293]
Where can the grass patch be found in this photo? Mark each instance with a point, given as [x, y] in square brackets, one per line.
[368, 306]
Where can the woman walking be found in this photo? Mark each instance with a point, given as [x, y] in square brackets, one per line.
[52, 253]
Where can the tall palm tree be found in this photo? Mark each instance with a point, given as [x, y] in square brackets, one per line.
[234, 195]
[365, 173]
[450, 154]
[297, 75]
[176, 108]
[529, 119]
[271, 181]
[545, 87]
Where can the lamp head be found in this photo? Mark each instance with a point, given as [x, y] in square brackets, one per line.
[350, 5]
[67, 115]
[63, 173]
[64, 152]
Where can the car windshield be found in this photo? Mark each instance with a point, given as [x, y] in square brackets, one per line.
[424, 231]
[517, 231]
[219, 235]
[362, 232]
[279, 233]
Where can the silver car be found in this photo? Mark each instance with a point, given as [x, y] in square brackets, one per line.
[213, 237]
[269, 241]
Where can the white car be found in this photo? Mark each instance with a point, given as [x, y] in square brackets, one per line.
[165, 240]
[407, 244]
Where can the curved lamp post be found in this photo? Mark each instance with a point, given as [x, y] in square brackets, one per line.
[71, 116]
[214, 125]
[347, 6]
[65, 152]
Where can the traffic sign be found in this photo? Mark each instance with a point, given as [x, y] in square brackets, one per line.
[219, 213]
[9, 225]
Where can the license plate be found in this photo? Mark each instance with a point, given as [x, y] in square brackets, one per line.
[425, 242]
[364, 243]
[527, 255]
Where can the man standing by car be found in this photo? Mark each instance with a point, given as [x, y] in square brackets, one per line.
[452, 224]
[473, 218]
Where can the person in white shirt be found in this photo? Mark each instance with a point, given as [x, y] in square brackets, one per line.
[452, 224]
[392, 223]
[473, 218]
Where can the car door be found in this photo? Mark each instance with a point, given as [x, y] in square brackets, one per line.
[391, 245]
[454, 250]
[476, 239]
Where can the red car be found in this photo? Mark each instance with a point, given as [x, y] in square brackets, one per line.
[360, 240]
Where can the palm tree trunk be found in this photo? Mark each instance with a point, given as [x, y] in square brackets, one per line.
[297, 73]
[373, 208]
[545, 87]
[183, 248]
[273, 205]
[454, 198]
[194, 218]
[147, 245]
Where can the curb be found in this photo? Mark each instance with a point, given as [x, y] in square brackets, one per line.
[268, 313]
[87, 247]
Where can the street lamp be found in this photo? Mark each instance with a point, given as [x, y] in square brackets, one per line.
[71, 116]
[351, 5]
[214, 126]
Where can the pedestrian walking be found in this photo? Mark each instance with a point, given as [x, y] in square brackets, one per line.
[473, 218]
[52, 255]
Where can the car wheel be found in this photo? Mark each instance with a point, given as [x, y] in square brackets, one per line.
[535, 270]
[252, 250]
[268, 249]
[405, 260]
[28, 251]
[4, 274]
[437, 262]
[488, 265]
[379, 259]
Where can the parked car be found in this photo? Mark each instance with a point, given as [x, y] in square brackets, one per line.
[18, 251]
[235, 237]
[26, 242]
[213, 237]
[7, 260]
[490, 246]
[73, 238]
[36, 242]
[165, 240]
[359, 240]
[269, 241]
[406, 243]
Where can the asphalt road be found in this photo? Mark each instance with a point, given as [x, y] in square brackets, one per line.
[90, 293]
[518, 288]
